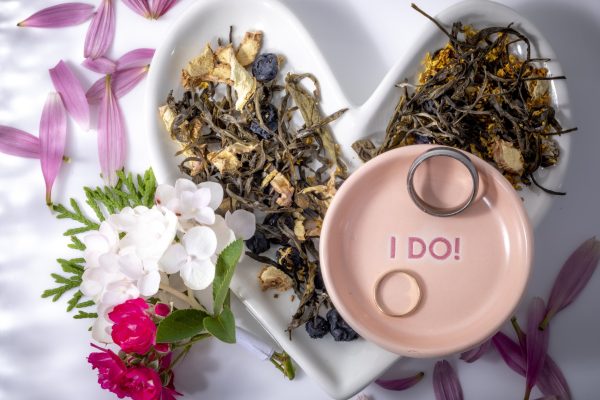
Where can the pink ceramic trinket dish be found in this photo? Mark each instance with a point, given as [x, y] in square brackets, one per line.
[417, 284]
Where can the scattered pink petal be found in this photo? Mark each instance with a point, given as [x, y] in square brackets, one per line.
[476, 353]
[100, 65]
[59, 16]
[111, 135]
[135, 59]
[573, 277]
[95, 93]
[400, 384]
[140, 7]
[72, 94]
[537, 343]
[510, 352]
[551, 381]
[122, 83]
[18, 143]
[53, 135]
[161, 7]
[445, 382]
[101, 32]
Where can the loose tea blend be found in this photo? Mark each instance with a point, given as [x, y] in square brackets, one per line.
[270, 146]
[478, 95]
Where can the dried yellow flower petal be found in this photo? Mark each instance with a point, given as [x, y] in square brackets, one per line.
[202, 64]
[244, 83]
[167, 114]
[282, 186]
[507, 157]
[272, 278]
[249, 48]
[225, 161]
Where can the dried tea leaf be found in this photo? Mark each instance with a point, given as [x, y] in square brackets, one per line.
[249, 47]
[270, 277]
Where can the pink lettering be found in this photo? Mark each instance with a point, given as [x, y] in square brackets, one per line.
[432, 247]
[411, 247]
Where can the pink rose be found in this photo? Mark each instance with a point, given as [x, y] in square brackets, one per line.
[162, 310]
[110, 370]
[142, 383]
[134, 331]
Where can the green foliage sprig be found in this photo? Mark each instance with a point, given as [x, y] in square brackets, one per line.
[103, 201]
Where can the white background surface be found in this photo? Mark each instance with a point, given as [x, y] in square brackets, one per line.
[43, 350]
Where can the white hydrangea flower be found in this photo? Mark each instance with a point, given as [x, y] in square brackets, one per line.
[242, 223]
[192, 258]
[190, 201]
[105, 240]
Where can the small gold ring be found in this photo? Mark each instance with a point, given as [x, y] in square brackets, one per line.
[410, 307]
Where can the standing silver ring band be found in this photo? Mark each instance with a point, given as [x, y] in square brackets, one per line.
[442, 152]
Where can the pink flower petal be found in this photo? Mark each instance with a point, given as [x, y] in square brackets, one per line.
[140, 7]
[551, 381]
[95, 93]
[101, 32]
[135, 59]
[475, 353]
[53, 135]
[72, 94]
[18, 143]
[445, 382]
[100, 65]
[161, 7]
[61, 15]
[111, 135]
[573, 277]
[122, 83]
[510, 352]
[125, 81]
[537, 343]
[400, 384]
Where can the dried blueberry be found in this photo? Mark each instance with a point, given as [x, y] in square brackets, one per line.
[317, 327]
[258, 243]
[273, 220]
[420, 139]
[265, 67]
[270, 119]
[340, 330]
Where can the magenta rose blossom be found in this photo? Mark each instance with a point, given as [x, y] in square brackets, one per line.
[142, 383]
[134, 331]
[111, 370]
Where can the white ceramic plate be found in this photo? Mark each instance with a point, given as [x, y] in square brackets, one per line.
[342, 369]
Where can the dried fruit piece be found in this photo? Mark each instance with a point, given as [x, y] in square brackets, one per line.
[273, 278]
[249, 47]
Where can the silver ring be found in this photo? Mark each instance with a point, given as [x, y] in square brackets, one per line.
[442, 152]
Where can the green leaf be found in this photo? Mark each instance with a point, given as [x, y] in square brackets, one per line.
[83, 315]
[221, 326]
[180, 325]
[225, 268]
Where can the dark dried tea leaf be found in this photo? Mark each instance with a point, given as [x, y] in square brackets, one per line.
[270, 146]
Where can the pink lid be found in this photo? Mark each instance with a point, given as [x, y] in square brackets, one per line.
[417, 284]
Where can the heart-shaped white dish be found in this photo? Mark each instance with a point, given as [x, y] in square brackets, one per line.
[342, 369]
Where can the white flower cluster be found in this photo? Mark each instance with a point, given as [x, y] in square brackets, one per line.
[182, 233]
